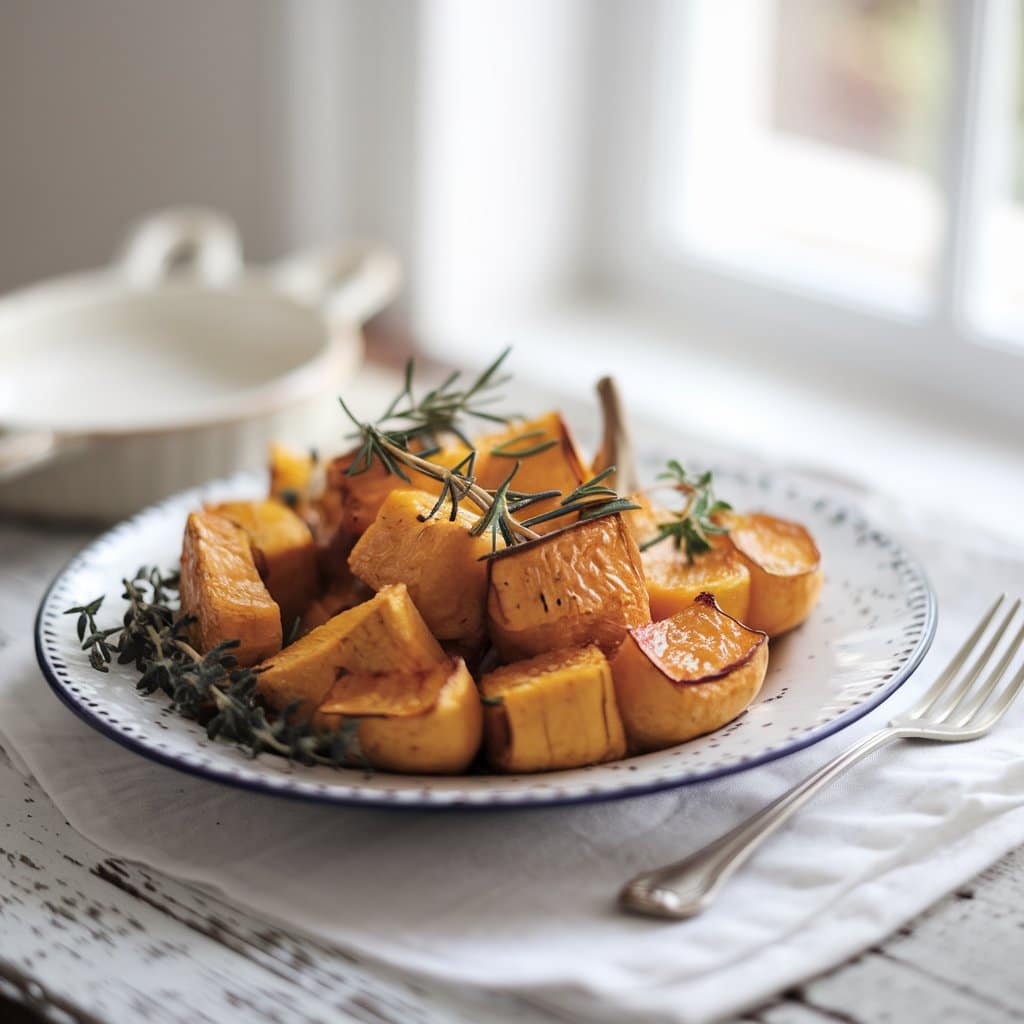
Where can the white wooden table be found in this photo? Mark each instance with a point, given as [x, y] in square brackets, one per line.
[86, 937]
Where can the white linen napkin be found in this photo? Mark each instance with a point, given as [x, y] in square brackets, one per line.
[525, 899]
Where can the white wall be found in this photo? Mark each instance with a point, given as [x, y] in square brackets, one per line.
[294, 116]
[111, 107]
[450, 129]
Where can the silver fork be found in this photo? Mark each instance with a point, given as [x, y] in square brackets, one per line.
[953, 709]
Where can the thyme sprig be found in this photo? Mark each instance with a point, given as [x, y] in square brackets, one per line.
[692, 526]
[211, 688]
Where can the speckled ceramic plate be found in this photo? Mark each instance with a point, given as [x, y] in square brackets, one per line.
[870, 631]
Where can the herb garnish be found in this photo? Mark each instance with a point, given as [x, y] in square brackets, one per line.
[509, 450]
[211, 687]
[441, 411]
[692, 526]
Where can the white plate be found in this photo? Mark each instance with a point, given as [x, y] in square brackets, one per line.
[873, 626]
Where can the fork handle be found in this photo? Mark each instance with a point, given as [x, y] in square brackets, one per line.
[685, 888]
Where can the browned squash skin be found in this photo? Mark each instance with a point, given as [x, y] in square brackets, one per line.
[561, 468]
[556, 710]
[428, 722]
[221, 587]
[438, 560]
[285, 553]
[687, 675]
[785, 570]
[581, 585]
[383, 635]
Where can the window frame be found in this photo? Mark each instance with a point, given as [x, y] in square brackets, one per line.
[936, 352]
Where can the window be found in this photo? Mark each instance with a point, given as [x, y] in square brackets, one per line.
[813, 152]
[836, 183]
[995, 301]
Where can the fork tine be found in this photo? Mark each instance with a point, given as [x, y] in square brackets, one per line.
[1001, 706]
[969, 708]
[955, 663]
[947, 702]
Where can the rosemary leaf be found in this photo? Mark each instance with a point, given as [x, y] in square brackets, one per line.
[508, 450]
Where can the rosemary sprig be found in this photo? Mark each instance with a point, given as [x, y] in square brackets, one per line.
[509, 450]
[444, 409]
[591, 500]
[211, 687]
[439, 411]
[692, 526]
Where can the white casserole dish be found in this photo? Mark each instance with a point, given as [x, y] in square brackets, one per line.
[174, 365]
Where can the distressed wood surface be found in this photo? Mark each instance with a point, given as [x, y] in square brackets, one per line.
[86, 937]
[93, 938]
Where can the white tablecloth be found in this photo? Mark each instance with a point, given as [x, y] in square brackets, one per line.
[525, 900]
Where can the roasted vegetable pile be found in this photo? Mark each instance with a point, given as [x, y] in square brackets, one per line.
[457, 601]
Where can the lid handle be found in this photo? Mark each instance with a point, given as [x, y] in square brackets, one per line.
[180, 241]
[350, 282]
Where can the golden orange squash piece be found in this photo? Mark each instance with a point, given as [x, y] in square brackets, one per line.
[438, 560]
[581, 585]
[291, 473]
[673, 583]
[556, 710]
[285, 553]
[222, 589]
[643, 521]
[785, 570]
[560, 467]
[357, 499]
[383, 635]
[429, 721]
[687, 675]
[343, 593]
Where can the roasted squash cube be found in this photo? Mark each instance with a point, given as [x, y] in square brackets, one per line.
[285, 553]
[643, 521]
[344, 593]
[383, 635]
[673, 582]
[581, 585]
[785, 570]
[438, 560]
[429, 721]
[556, 710]
[291, 474]
[222, 589]
[357, 498]
[687, 675]
[559, 467]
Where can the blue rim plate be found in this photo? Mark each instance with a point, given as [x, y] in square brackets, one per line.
[874, 625]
